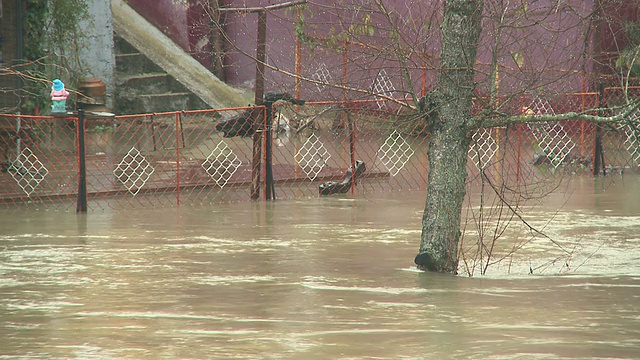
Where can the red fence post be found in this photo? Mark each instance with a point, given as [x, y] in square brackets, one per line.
[518, 152]
[598, 153]
[178, 145]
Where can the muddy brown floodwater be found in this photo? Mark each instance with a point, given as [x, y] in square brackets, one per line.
[322, 278]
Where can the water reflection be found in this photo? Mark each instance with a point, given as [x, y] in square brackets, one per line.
[321, 278]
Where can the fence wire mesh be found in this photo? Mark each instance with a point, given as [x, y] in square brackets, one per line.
[190, 158]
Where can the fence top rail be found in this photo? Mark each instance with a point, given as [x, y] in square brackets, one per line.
[347, 102]
[34, 117]
[73, 115]
[189, 112]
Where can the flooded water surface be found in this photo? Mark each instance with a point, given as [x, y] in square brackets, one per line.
[323, 278]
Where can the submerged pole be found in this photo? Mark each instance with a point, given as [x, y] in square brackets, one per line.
[259, 94]
[258, 121]
[81, 206]
[598, 160]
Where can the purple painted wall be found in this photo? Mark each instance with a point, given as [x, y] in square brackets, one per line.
[168, 16]
[529, 49]
[185, 22]
[242, 31]
[609, 36]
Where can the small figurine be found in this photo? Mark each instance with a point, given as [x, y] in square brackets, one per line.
[58, 97]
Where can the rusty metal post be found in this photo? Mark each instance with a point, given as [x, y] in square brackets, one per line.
[350, 125]
[258, 99]
[258, 121]
[598, 154]
[298, 62]
[179, 143]
[81, 205]
[217, 37]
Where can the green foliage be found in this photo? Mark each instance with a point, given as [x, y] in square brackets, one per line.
[35, 24]
[101, 129]
[333, 39]
[299, 26]
[35, 35]
[65, 31]
[52, 47]
[630, 56]
[363, 28]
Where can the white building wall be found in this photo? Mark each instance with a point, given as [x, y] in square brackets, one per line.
[98, 52]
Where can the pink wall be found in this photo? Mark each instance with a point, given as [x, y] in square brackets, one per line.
[242, 30]
[184, 22]
[168, 16]
[189, 26]
[609, 38]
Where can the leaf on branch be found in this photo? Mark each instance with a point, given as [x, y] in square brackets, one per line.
[518, 59]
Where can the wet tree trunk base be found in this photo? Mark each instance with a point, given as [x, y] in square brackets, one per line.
[449, 126]
[445, 195]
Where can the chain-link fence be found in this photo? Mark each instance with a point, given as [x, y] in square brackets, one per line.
[189, 158]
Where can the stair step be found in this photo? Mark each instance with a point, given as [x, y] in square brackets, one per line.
[144, 87]
[122, 46]
[150, 103]
[155, 83]
[166, 102]
[135, 63]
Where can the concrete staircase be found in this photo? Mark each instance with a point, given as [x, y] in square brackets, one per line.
[153, 74]
[144, 87]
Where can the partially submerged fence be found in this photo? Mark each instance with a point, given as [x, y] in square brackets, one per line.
[185, 158]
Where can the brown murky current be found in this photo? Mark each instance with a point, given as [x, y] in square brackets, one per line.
[323, 278]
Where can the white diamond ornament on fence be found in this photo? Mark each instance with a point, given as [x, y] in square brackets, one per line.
[632, 132]
[322, 76]
[27, 171]
[394, 153]
[221, 164]
[133, 171]
[554, 142]
[540, 106]
[312, 157]
[482, 149]
[382, 85]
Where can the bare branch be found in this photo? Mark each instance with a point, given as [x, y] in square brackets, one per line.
[496, 119]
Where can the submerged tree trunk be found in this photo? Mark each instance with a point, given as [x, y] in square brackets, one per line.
[452, 105]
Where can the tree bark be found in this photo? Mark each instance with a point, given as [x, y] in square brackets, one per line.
[450, 136]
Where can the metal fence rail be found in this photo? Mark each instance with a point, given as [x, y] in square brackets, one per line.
[186, 158]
